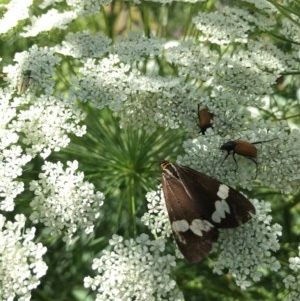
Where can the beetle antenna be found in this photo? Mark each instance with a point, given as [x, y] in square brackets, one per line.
[258, 142]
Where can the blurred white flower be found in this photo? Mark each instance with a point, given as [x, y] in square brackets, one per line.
[17, 10]
[40, 62]
[84, 44]
[48, 21]
[12, 162]
[87, 7]
[22, 265]
[292, 281]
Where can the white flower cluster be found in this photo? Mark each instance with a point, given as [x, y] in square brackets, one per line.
[232, 25]
[21, 260]
[220, 29]
[48, 21]
[46, 124]
[136, 47]
[239, 79]
[115, 81]
[12, 157]
[147, 100]
[63, 202]
[41, 62]
[290, 28]
[16, 10]
[292, 281]
[45, 3]
[104, 82]
[156, 218]
[85, 45]
[87, 7]
[134, 270]
[236, 78]
[246, 251]
[264, 5]
[12, 161]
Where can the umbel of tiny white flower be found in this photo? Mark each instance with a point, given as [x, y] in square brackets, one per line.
[41, 63]
[63, 202]
[12, 157]
[134, 270]
[84, 44]
[16, 11]
[292, 281]
[48, 21]
[12, 162]
[21, 260]
[156, 218]
[46, 125]
[246, 251]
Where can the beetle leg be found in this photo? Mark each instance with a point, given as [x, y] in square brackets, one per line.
[237, 167]
[256, 164]
[228, 153]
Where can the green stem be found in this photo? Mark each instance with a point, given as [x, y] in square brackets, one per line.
[132, 205]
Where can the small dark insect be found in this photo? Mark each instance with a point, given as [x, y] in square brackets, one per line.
[198, 206]
[243, 148]
[204, 119]
[24, 81]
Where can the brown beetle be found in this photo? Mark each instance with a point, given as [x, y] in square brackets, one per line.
[243, 148]
[204, 119]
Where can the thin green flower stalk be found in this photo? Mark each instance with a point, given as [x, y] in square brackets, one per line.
[94, 94]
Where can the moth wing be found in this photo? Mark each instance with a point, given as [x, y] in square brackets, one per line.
[182, 208]
[204, 190]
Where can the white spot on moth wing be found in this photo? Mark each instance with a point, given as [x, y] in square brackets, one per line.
[223, 192]
[221, 209]
[198, 226]
[180, 226]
